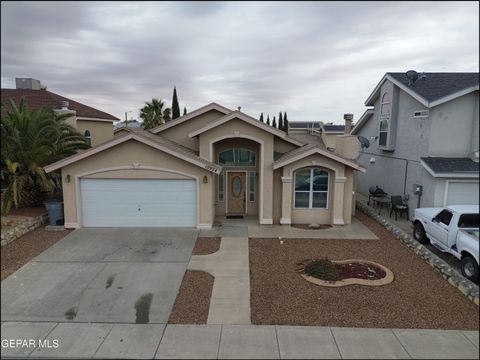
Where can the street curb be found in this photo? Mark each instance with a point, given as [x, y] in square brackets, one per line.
[465, 286]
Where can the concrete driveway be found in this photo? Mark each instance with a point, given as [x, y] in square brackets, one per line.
[127, 275]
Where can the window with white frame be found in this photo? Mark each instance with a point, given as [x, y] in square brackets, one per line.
[383, 132]
[386, 104]
[311, 189]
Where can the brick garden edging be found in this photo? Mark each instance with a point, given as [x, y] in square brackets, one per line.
[9, 234]
[467, 288]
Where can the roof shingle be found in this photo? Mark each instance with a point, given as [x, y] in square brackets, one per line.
[457, 165]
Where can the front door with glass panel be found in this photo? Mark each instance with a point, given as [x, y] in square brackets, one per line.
[236, 192]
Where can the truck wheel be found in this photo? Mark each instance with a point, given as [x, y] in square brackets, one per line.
[469, 268]
[419, 233]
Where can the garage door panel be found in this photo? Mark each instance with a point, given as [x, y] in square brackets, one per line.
[139, 202]
[462, 193]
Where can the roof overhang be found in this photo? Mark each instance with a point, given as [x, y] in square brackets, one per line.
[214, 168]
[469, 175]
[95, 119]
[362, 121]
[429, 104]
[248, 119]
[191, 115]
[315, 150]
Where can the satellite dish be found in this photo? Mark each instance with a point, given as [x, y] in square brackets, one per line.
[412, 76]
[364, 143]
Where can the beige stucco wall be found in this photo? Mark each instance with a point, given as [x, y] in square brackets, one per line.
[100, 131]
[252, 206]
[330, 140]
[340, 197]
[238, 129]
[179, 133]
[282, 146]
[129, 155]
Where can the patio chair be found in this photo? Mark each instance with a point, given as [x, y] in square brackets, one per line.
[397, 205]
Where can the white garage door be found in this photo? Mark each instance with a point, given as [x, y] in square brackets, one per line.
[462, 193]
[142, 203]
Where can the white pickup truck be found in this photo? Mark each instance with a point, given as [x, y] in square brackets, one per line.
[453, 229]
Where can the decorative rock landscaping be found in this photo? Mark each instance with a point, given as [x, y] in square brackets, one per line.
[15, 226]
[467, 288]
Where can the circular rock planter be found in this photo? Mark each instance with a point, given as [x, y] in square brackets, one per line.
[344, 272]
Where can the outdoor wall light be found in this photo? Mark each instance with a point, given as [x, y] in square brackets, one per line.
[205, 179]
[372, 160]
[67, 178]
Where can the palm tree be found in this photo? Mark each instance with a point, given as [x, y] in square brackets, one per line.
[30, 141]
[154, 113]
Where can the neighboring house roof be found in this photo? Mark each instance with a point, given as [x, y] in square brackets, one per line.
[304, 124]
[250, 120]
[131, 124]
[190, 115]
[37, 99]
[450, 167]
[306, 138]
[362, 121]
[433, 89]
[333, 128]
[157, 142]
[310, 149]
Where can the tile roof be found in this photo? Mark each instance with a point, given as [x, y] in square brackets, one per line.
[37, 99]
[438, 85]
[452, 165]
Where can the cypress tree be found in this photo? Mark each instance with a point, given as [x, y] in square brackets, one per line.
[268, 119]
[280, 121]
[274, 122]
[285, 122]
[175, 106]
[261, 117]
[184, 110]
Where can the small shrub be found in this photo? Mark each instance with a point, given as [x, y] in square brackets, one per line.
[322, 269]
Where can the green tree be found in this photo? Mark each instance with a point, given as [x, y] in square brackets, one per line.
[261, 117]
[154, 113]
[175, 106]
[285, 122]
[31, 140]
[184, 110]
[274, 122]
[280, 121]
[268, 119]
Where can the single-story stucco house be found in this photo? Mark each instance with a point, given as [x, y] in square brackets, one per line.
[212, 162]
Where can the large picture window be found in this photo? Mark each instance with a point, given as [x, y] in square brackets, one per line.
[311, 189]
[237, 157]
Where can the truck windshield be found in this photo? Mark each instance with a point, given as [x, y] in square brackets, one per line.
[469, 221]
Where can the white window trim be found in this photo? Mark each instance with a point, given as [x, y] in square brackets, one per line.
[384, 103]
[311, 191]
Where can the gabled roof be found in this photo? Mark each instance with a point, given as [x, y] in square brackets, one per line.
[190, 115]
[157, 142]
[310, 149]
[37, 99]
[451, 167]
[362, 121]
[433, 89]
[248, 119]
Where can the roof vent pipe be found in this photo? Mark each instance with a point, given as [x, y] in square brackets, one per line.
[348, 123]
[64, 105]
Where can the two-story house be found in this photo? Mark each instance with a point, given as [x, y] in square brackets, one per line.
[423, 135]
[94, 124]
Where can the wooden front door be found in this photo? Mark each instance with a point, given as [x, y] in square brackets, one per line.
[236, 192]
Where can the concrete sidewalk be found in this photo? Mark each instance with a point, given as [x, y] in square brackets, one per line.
[100, 340]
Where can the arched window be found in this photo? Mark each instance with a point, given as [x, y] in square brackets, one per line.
[311, 189]
[88, 137]
[237, 157]
[385, 104]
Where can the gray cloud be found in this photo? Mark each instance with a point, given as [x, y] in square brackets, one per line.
[315, 60]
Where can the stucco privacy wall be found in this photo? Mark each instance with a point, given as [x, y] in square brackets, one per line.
[340, 193]
[179, 133]
[100, 131]
[129, 155]
[236, 128]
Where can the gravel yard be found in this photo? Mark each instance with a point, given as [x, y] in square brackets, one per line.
[193, 299]
[417, 298]
[22, 250]
[206, 245]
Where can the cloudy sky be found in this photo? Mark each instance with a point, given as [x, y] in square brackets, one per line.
[315, 60]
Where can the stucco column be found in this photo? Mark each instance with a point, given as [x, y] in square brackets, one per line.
[338, 200]
[286, 218]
